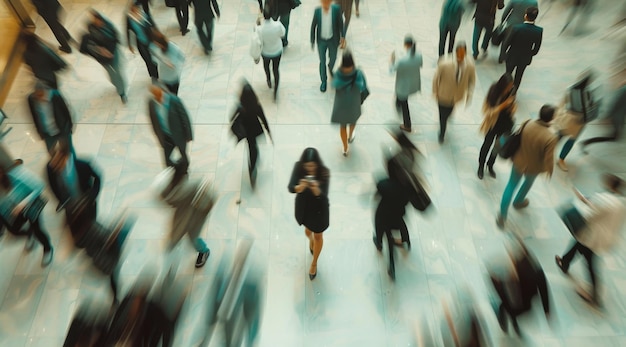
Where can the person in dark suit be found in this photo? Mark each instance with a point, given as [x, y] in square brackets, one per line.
[49, 11]
[205, 12]
[281, 10]
[310, 180]
[72, 179]
[171, 125]
[522, 44]
[250, 113]
[50, 114]
[484, 18]
[140, 24]
[182, 15]
[43, 61]
[327, 29]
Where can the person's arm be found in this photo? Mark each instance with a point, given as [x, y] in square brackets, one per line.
[296, 183]
[313, 27]
[184, 120]
[342, 28]
[537, 44]
[506, 12]
[542, 286]
[509, 38]
[282, 30]
[216, 8]
[319, 188]
[548, 160]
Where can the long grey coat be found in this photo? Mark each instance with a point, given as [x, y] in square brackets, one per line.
[408, 78]
[347, 105]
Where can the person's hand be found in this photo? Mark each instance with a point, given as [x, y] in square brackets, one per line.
[393, 57]
[342, 43]
[315, 188]
[302, 185]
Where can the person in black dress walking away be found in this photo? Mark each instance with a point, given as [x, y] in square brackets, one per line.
[310, 180]
[499, 108]
[247, 116]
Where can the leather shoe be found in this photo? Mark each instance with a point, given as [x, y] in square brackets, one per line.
[481, 172]
[491, 172]
[323, 87]
[521, 204]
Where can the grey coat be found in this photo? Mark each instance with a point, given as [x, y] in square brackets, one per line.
[347, 105]
[408, 79]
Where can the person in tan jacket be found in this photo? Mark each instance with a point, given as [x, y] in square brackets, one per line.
[453, 81]
[534, 156]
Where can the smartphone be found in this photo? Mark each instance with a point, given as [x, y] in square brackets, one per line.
[309, 178]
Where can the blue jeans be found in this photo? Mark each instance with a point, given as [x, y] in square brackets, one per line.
[477, 31]
[200, 245]
[514, 180]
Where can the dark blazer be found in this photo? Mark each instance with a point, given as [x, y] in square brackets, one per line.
[46, 7]
[316, 24]
[311, 210]
[523, 43]
[253, 119]
[61, 114]
[205, 8]
[532, 281]
[43, 61]
[392, 205]
[485, 14]
[178, 118]
[88, 179]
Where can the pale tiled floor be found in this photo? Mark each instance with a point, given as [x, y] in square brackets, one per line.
[352, 302]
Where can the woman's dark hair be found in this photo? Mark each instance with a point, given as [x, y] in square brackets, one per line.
[267, 12]
[346, 59]
[410, 41]
[311, 154]
[497, 89]
[248, 98]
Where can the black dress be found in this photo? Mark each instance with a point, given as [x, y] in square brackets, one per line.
[311, 210]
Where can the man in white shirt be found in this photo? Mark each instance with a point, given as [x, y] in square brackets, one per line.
[170, 61]
[327, 28]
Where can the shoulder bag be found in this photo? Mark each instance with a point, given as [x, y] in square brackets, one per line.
[513, 143]
[256, 45]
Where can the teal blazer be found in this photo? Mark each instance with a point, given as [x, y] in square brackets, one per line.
[316, 25]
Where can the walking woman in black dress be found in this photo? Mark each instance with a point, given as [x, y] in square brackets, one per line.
[499, 109]
[248, 113]
[310, 180]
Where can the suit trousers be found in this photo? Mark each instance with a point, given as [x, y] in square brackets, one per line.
[144, 51]
[204, 24]
[346, 10]
[514, 180]
[385, 229]
[322, 47]
[254, 153]
[589, 256]
[443, 34]
[444, 114]
[59, 31]
[173, 87]
[168, 148]
[519, 71]
[182, 14]
[477, 31]
[116, 75]
[484, 149]
[403, 105]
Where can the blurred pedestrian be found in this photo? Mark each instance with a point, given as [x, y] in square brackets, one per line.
[101, 43]
[346, 11]
[182, 13]
[513, 15]
[449, 23]
[50, 11]
[453, 81]
[310, 180]
[271, 33]
[249, 121]
[281, 10]
[484, 19]
[577, 109]
[522, 45]
[596, 224]
[534, 156]
[140, 24]
[21, 204]
[582, 8]
[205, 12]
[408, 78]
[170, 61]
[499, 109]
[617, 114]
[327, 29]
[43, 61]
[351, 90]
[171, 124]
[51, 115]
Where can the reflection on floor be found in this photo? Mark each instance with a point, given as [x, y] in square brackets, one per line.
[352, 302]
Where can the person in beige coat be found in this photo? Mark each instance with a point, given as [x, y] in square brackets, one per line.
[453, 81]
[534, 156]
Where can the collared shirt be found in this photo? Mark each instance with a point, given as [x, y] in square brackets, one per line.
[528, 22]
[46, 115]
[327, 24]
[162, 109]
[70, 178]
[170, 63]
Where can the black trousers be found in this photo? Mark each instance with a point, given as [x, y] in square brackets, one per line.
[444, 114]
[204, 24]
[59, 31]
[487, 144]
[275, 64]
[589, 256]
[144, 51]
[519, 72]
[384, 228]
[168, 148]
[182, 14]
[253, 147]
[403, 105]
[173, 87]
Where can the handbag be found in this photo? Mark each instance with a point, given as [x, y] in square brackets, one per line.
[237, 127]
[422, 200]
[513, 143]
[256, 45]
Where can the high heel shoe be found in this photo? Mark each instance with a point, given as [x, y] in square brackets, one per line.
[313, 275]
[481, 172]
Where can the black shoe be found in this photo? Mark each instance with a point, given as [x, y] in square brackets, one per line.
[184, 31]
[124, 99]
[285, 43]
[502, 319]
[440, 139]
[66, 49]
[481, 172]
[323, 87]
[378, 245]
[330, 72]
[312, 276]
[475, 56]
[559, 262]
[253, 178]
[491, 172]
[202, 258]
[269, 83]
